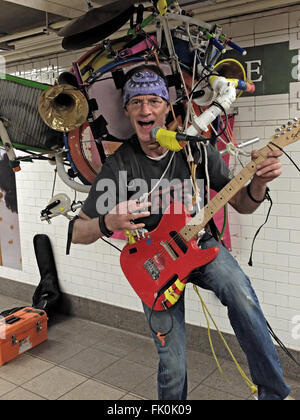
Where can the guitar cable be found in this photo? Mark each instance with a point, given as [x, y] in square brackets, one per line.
[268, 197]
[280, 343]
[283, 151]
[160, 335]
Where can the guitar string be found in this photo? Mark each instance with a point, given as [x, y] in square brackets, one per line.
[172, 241]
[178, 236]
[196, 229]
[225, 188]
[163, 251]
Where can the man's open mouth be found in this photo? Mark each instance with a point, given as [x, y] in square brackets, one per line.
[145, 123]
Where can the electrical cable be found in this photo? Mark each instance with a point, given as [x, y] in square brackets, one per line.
[114, 246]
[283, 151]
[281, 345]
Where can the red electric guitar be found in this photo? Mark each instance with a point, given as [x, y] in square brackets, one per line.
[158, 265]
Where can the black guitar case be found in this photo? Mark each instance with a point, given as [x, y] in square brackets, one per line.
[47, 295]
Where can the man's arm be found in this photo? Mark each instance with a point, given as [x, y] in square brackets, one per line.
[86, 230]
[267, 171]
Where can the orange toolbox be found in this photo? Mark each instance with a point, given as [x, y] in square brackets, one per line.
[21, 331]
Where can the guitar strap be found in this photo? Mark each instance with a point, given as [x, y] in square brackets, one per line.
[70, 233]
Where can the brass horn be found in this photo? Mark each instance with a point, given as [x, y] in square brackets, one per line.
[63, 107]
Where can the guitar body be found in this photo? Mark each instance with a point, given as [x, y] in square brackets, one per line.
[158, 265]
[153, 264]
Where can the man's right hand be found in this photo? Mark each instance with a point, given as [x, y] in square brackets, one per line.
[123, 216]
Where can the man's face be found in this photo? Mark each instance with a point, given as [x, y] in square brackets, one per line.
[146, 112]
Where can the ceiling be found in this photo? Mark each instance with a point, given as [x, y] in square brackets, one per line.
[29, 28]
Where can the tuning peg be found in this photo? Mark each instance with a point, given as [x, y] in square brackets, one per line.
[295, 119]
[277, 133]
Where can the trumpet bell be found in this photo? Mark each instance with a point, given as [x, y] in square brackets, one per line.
[63, 108]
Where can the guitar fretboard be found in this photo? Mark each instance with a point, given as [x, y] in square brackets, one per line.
[192, 229]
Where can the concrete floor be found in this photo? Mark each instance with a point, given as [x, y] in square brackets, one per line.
[83, 360]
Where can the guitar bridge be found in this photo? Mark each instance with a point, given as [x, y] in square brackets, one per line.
[152, 269]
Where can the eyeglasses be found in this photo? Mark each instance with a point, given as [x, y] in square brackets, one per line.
[152, 103]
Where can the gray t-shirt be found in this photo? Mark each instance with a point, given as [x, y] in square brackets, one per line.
[129, 173]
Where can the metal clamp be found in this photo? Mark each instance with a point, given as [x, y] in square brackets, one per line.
[14, 340]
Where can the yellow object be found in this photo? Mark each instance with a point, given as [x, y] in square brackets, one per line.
[168, 139]
[130, 235]
[180, 286]
[243, 374]
[170, 294]
[162, 6]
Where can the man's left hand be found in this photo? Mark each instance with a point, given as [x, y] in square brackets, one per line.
[269, 169]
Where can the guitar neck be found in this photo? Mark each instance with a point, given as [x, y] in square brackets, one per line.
[195, 225]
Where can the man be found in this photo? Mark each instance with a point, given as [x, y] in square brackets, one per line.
[146, 103]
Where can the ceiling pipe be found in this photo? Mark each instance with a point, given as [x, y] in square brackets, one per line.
[233, 8]
[66, 11]
[33, 32]
[41, 43]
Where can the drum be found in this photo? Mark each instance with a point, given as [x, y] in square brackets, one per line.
[99, 70]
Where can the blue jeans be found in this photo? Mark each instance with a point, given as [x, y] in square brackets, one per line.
[226, 279]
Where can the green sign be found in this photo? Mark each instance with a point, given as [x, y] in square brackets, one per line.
[271, 67]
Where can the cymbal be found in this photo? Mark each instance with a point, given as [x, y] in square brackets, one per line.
[95, 17]
[100, 32]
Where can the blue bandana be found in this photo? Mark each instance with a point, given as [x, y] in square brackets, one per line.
[145, 83]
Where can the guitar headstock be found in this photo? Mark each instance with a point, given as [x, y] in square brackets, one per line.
[287, 134]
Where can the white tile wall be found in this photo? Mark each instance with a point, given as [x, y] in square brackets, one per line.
[93, 271]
